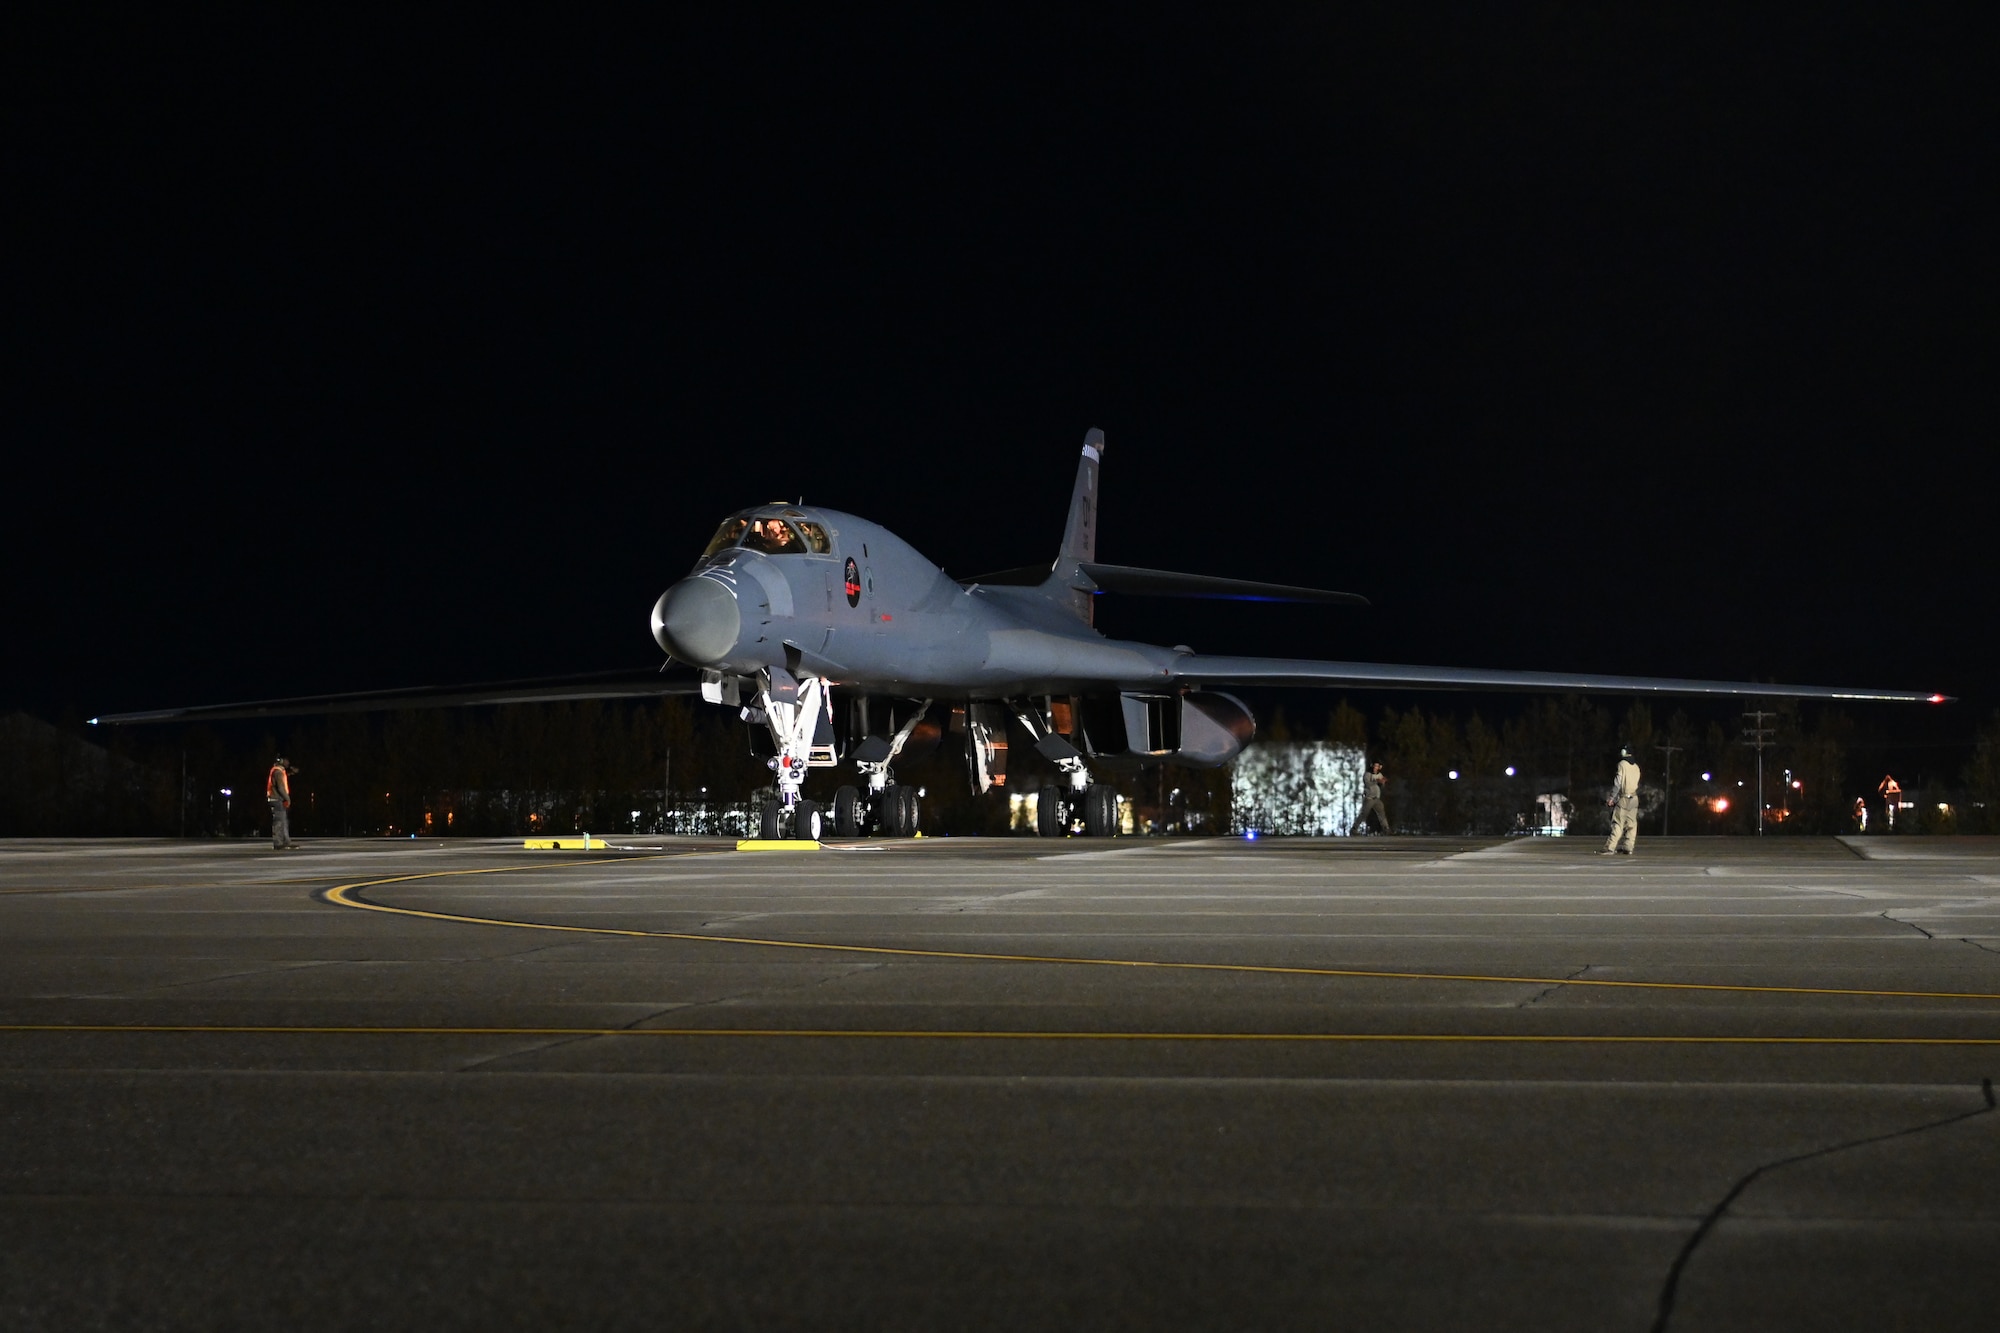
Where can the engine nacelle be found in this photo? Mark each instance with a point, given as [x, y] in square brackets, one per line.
[1202, 730]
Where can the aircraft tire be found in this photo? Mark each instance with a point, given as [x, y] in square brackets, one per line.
[807, 821]
[1051, 813]
[847, 813]
[906, 811]
[770, 824]
[1100, 810]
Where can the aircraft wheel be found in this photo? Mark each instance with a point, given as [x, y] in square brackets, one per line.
[846, 813]
[807, 822]
[903, 805]
[770, 825]
[1100, 810]
[1051, 813]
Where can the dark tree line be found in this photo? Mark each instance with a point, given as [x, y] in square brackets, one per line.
[590, 766]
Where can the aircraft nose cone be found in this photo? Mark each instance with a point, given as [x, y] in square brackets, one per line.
[696, 621]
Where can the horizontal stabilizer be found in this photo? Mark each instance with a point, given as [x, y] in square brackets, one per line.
[1162, 583]
[545, 689]
[1206, 670]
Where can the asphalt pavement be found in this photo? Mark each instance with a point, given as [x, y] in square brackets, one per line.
[981, 1084]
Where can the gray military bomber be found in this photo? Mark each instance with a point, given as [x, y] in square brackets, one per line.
[792, 605]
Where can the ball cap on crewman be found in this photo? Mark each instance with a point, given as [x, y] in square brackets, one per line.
[1624, 752]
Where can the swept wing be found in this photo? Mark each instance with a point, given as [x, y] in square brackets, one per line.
[1203, 669]
[543, 689]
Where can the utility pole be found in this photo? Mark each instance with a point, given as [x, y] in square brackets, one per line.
[1757, 736]
[1667, 810]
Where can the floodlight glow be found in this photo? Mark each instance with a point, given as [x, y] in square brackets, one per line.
[1453, 775]
[1510, 770]
[1708, 777]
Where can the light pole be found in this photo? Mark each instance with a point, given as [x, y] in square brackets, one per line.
[1667, 810]
[1758, 736]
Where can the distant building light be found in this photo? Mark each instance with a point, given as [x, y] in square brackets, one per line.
[1719, 804]
[1453, 775]
[1708, 777]
[1510, 770]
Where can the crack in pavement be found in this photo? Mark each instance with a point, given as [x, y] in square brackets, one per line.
[1544, 994]
[1962, 939]
[226, 976]
[1911, 924]
[1671, 1288]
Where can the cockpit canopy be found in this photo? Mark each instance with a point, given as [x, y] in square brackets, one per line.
[773, 534]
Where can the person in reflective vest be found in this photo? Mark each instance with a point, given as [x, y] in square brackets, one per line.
[1624, 803]
[278, 795]
[1373, 783]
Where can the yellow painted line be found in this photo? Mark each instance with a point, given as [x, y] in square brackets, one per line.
[584, 844]
[779, 845]
[949, 1034]
[344, 895]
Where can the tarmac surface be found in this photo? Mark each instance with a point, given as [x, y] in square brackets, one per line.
[1380, 1082]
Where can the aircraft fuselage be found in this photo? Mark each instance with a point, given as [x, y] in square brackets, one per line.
[872, 613]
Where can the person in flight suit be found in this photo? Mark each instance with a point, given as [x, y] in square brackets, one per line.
[278, 794]
[1373, 783]
[1624, 803]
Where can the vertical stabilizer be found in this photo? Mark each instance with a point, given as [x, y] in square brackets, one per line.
[1079, 543]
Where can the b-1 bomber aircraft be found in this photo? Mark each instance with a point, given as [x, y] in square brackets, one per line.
[834, 638]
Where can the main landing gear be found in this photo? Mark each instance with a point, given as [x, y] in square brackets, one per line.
[891, 813]
[1057, 811]
[1059, 806]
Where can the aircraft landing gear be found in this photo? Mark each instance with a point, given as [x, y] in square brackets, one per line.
[806, 821]
[891, 808]
[848, 813]
[897, 815]
[1057, 807]
[797, 712]
[1100, 810]
[1051, 812]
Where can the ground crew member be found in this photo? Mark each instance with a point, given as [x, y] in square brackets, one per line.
[1372, 784]
[278, 795]
[1624, 803]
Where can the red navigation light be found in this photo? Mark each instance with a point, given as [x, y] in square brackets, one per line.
[1938, 699]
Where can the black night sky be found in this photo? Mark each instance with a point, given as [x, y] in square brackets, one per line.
[365, 352]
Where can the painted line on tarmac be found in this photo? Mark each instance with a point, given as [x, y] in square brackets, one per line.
[348, 895]
[974, 1034]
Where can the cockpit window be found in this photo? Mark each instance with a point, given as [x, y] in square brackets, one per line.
[726, 536]
[773, 536]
